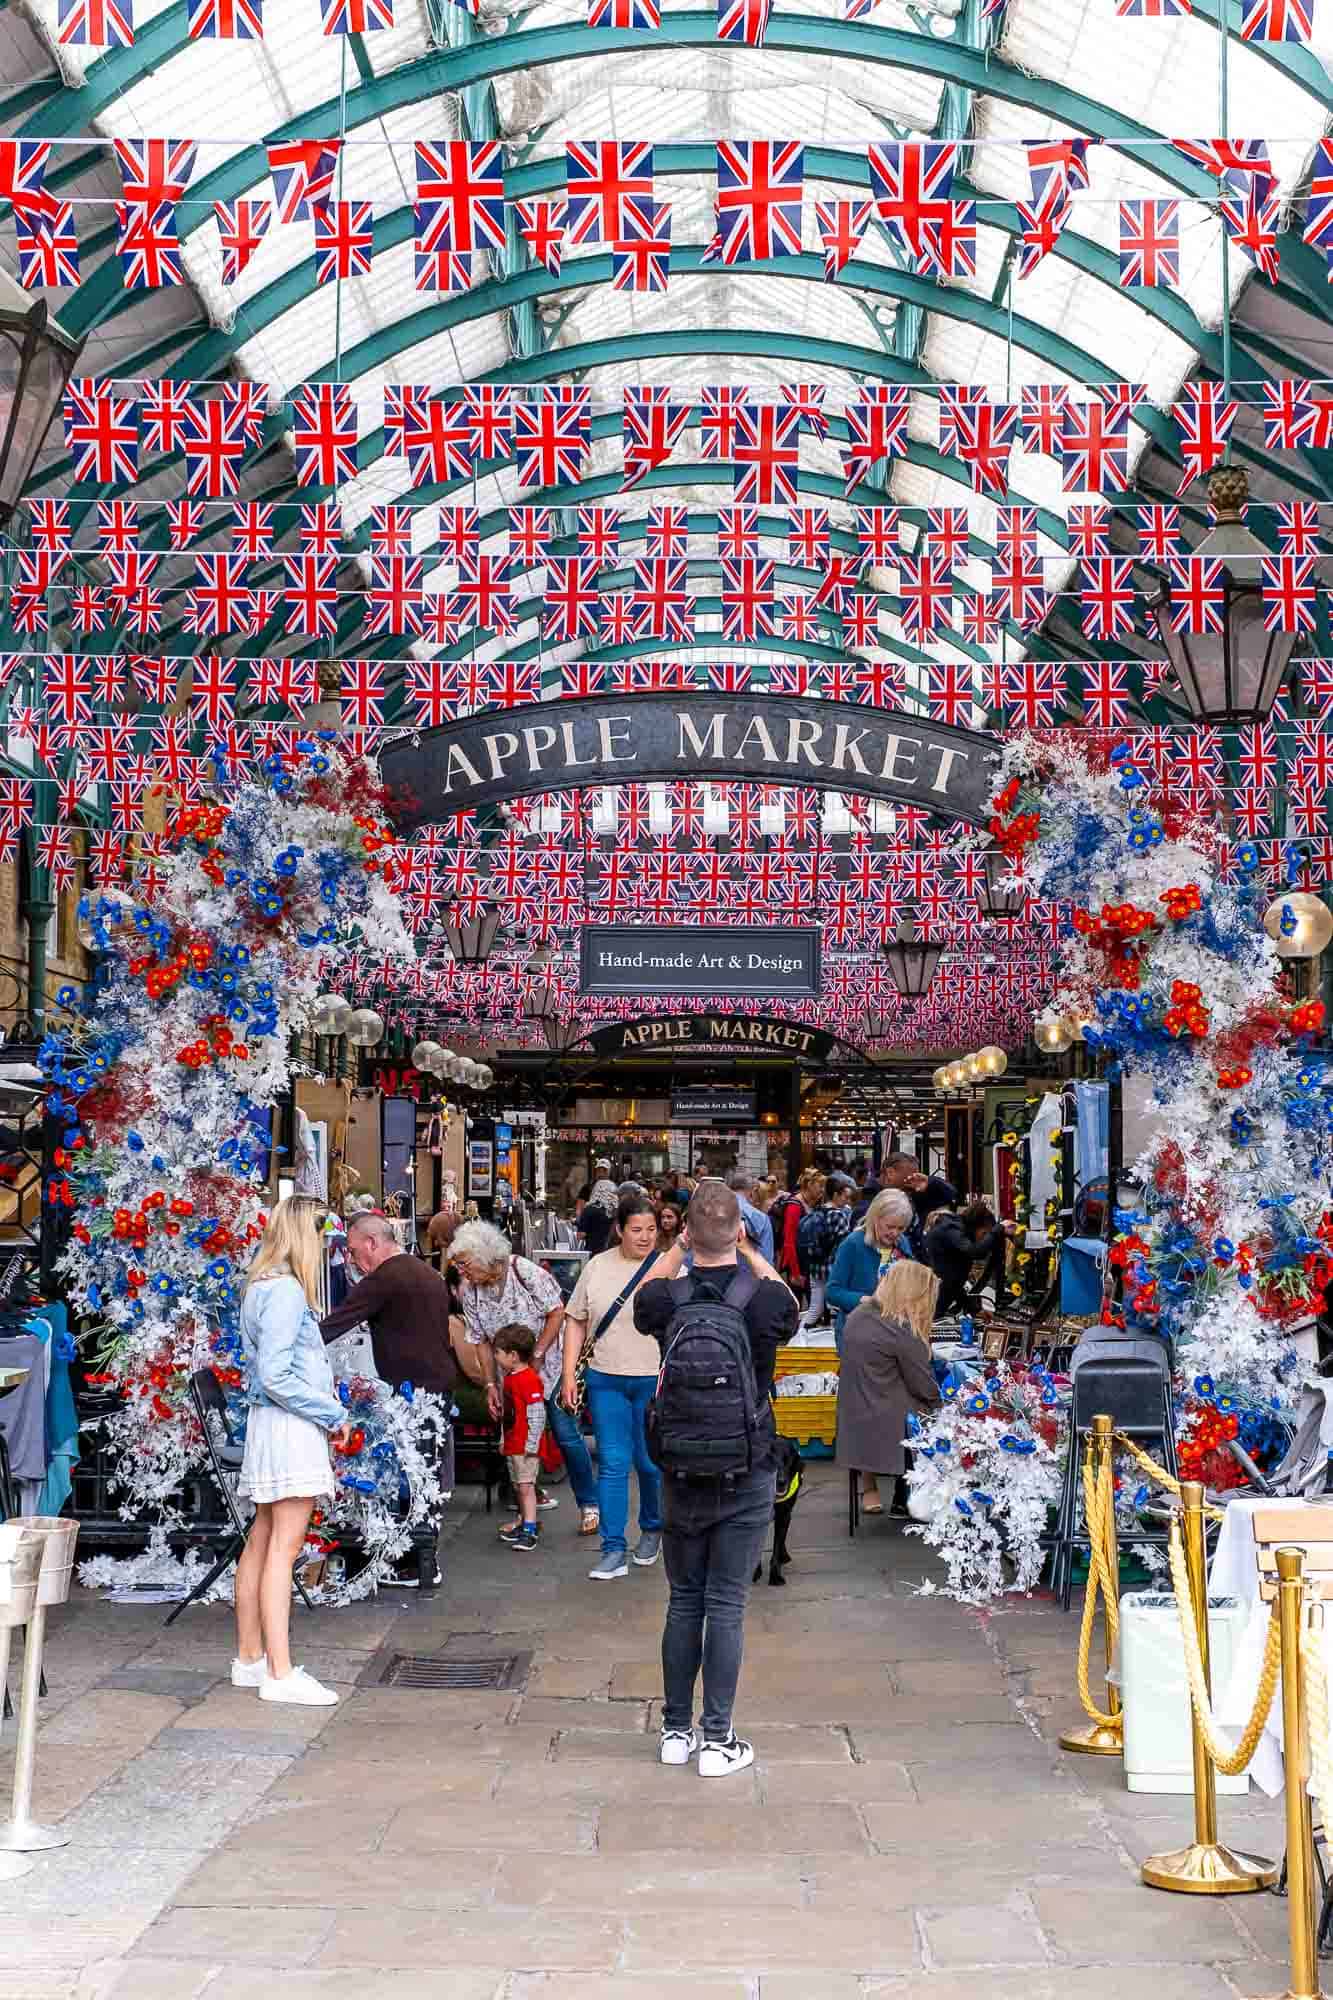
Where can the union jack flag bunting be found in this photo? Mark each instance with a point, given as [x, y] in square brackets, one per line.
[1288, 415]
[87, 609]
[946, 534]
[164, 409]
[431, 686]
[662, 605]
[185, 522]
[668, 531]
[841, 226]
[1277, 21]
[925, 596]
[1040, 223]
[219, 601]
[510, 683]
[643, 264]
[1198, 594]
[807, 537]
[1061, 160]
[435, 269]
[949, 241]
[1251, 209]
[23, 164]
[912, 180]
[760, 190]
[807, 399]
[1297, 523]
[362, 692]
[148, 246]
[1107, 597]
[800, 677]
[1149, 243]
[766, 456]
[324, 434]
[743, 21]
[747, 599]
[876, 432]
[48, 249]
[530, 533]
[48, 524]
[737, 532]
[877, 536]
[1204, 422]
[1229, 156]
[552, 438]
[608, 190]
[984, 438]
[1106, 694]
[155, 170]
[226, 20]
[949, 693]
[437, 439]
[1159, 533]
[1317, 687]
[1153, 9]
[652, 428]
[390, 531]
[839, 577]
[1094, 449]
[598, 533]
[1033, 692]
[102, 432]
[319, 528]
[1041, 415]
[460, 531]
[463, 181]
[624, 14]
[343, 240]
[618, 618]
[1318, 231]
[483, 589]
[242, 227]
[1289, 593]
[99, 24]
[541, 225]
[720, 419]
[860, 628]
[355, 17]
[117, 526]
[302, 171]
[489, 411]
[571, 600]
[214, 442]
[394, 596]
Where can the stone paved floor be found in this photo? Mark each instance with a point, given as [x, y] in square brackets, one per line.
[910, 1827]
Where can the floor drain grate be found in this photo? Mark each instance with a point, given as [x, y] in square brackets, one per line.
[417, 1670]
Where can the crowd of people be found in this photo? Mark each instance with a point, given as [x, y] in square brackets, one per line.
[665, 1351]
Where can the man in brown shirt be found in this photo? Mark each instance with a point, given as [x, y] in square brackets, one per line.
[403, 1302]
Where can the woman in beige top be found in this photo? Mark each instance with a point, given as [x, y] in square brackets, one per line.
[622, 1375]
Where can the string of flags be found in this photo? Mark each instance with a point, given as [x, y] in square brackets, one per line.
[610, 201]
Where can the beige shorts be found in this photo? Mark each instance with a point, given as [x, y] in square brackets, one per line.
[524, 1468]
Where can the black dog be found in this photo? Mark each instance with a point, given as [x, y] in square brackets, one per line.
[791, 1478]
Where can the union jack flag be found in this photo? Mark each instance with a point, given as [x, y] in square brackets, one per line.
[1089, 532]
[48, 249]
[290, 682]
[441, 619]
[949, 241]
[1198, 593]
[946, 535]
[1107, 597]
[102, 24]
[530, 531]
[67, 689]
[148, 246]
[807, 536]
[1229, 156]
[1159, 533]
[1106, 695]
[1251, 213]
[799, 677]
[747, 599]
[1288, 414]
[185, 522]
[117, 526]
[432, 688]
[766, 456]
[877, 534]
[661, 603]
[435, 269]
[155, 170]
[1094, 449]
[1034, 691]
[609, 190]
[1277, 21]
[87, 609]
[1298, 527]
[319, 528]
[652, 428]
[355, 17]
[48, 524]
[1061, 160]
[343, 240]
[624, 14]
[390, 531]
[462, 181]
[541, 224]
[302, 171]
[483, 588]
[1204, 422]
[1149, 243]
[226, 20]
[1317, 686]
[1040, 223]
[737, 532]
[1018, 589]
[949, 693]
[912, 181]
[841, 226]
[571, 600]
[984, 438]
[839, 578]
[324, 434]
[643, 264]
[1318, 229]
[743, 21]
[460, 529]
[720, 420]
[807, 399]
[618, 618]
[102, 431]
[393, 599]
[362, 692]
[1289, 593]
[552, 439]
[219, 601]
[23, 164]
[760, 189]
[876, 432]
[598, 533]
[437, 439]
[668, 531]
[926, 589]
[860, 627]
[510, 683]
[242, 227]
[489, 409]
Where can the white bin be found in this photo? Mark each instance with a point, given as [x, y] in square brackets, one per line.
[1155, 1693]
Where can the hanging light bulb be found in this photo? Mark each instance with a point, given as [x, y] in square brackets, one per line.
[330, 1014]
[427, 1056]
[955, 1075]
[993, 1060]
[1299, 924]
[1053, 1035]
[940, 1079]
[972, 1070]
[364, 1027]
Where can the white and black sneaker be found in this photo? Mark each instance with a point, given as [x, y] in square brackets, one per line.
[677, 1746]
[719, 1760]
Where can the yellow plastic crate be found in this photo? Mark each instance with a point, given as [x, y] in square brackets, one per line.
[807, 1419]
[807, 1361]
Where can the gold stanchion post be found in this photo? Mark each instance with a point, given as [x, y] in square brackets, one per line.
[1204, 1867]
[1103, 1739]
[1301, 1919]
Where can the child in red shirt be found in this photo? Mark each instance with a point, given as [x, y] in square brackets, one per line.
[524, 1422]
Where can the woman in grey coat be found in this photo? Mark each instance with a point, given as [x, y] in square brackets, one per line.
[885, 1373]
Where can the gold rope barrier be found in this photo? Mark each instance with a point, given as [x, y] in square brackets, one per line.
[1204, 1867]
[1314, 1671]
[1159, 1473]
[1301, 1919]
[1104, 1735]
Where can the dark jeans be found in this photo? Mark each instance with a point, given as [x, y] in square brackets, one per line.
[712, 1541]
[616, 1404]
[578, 1463]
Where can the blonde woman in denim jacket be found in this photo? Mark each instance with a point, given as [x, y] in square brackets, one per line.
[293, 1416]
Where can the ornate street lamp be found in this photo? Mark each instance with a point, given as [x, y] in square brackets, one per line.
[1232, 676]
[912, 962]
[997, 901]
[472, 941]
[37, 358]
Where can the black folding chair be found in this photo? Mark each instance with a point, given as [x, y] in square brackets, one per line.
[224, 1462]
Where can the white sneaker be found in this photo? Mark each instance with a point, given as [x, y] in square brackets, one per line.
[677, 1746]
[249, 1673]
[719, 1760]
[300, 1687]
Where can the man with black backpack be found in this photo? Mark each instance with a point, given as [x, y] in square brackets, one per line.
[710, 1428]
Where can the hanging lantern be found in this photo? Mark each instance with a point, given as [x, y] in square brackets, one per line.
[996, 866]
[1299, 924]
[1053, 1035]
[364, 1027]
[427, 1056]
[972, 1070]
[912, 962]
[472, 942]
[994, 1062]
[940, 1079]
[37, 358]
[955, 1076]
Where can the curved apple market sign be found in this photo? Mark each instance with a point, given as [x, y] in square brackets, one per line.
[634, 739]
[664, 1034]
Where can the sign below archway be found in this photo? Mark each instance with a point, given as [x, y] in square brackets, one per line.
[632, 739]
[668, 1034]
[741, 961]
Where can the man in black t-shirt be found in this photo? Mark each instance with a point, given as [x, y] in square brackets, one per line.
[714, 1529]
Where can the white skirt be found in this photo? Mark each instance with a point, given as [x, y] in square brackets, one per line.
[286, 1458]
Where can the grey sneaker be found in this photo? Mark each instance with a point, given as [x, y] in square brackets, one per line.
[649, 1549]
[612, 1565]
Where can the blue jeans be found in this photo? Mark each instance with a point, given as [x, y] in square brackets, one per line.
[616, 1404]
[714, 1537]
[569, 1437]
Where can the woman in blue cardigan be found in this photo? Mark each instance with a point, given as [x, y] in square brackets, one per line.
[866, 1252]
